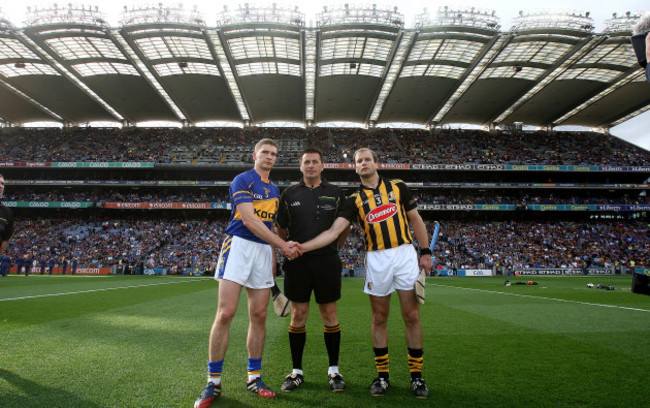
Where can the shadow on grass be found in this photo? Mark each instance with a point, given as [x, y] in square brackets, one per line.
[35, 394]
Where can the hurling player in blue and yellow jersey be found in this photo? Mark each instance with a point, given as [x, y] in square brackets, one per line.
[246, 260]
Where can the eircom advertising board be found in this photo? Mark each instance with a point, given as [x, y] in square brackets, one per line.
[466, 272]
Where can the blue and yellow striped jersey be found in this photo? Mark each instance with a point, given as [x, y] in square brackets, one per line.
[249, 187]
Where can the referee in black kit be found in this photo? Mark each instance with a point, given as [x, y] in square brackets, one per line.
[307, 209]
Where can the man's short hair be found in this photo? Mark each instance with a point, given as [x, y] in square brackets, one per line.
[265, 141]
[365, 149]
[312, 150]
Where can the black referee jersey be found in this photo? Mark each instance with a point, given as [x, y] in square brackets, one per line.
[381, 213]
[306, 212]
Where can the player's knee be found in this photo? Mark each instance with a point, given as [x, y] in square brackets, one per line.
[224, 316]
[379, 319]
[411, 316]
[298, 317]
[257, 315]
[330, 319]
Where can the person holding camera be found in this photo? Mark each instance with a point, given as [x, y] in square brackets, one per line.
[641, 43]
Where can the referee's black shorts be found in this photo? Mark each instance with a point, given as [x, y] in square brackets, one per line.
[320, 273]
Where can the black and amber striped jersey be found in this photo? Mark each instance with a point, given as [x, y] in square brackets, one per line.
[381, 214]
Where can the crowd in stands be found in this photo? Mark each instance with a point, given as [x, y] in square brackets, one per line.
[153, 243]
[99, 196]
[528, 244]
[549, 198]
[233, 146]
[177, 243]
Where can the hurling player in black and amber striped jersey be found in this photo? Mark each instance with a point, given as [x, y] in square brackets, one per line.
[384, 209]
[382, 214]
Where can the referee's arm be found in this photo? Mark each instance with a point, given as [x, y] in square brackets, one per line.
[326, 237]
[421, 235]
[282, 232]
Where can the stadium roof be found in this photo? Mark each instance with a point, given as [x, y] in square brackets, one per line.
[357, 65]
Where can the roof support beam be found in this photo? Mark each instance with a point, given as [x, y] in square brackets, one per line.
[41, 107]
[310, 51]
[394, 66]
[216, 41]
[570, 57]
[490, 51]
[624, 79]
[28, 42]
[125, 44]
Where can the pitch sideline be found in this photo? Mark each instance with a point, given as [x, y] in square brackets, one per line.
[97, 290]
[544, 298]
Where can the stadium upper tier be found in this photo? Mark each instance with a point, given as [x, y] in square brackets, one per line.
[357, 64]
[233, 146]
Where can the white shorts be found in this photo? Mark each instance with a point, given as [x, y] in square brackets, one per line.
[391, 269]
[245, 262]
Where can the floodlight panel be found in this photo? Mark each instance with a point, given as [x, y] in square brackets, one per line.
[424, 50]
[347, 69]
[611, 54]
[445, 71]
[541, 52]
[263, 68]
[197, 68]
[356, 48]
[10, 48]
[590, 74]
[105, 68]
[264, 47]
[448, 49]
[377, 49]
[72, 48]
[347, 47]
[155, 48]
[528, 73]
[10, 70]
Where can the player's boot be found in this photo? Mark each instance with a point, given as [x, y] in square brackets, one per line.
[258, 387]
[379, 386]
[292, 382]
[336, 382]
[209, 394]
[420, 389]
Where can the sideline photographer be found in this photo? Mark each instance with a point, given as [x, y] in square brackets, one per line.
[641, 42]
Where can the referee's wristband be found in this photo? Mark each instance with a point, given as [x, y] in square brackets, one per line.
[425, 251]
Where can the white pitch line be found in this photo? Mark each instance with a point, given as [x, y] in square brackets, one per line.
[95, 290]
[545, 298]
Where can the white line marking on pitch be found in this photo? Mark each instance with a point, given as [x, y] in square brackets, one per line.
[543, 297]
[96, 290]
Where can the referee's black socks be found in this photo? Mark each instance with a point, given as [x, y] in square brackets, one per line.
[297, 339]
[332, 336]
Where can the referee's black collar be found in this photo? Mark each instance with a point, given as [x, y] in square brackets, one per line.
[323, 182]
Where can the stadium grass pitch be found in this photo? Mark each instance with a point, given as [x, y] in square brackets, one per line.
[141, 341]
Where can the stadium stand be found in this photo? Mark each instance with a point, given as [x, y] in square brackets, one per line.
[172, 214]
[228, 146]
